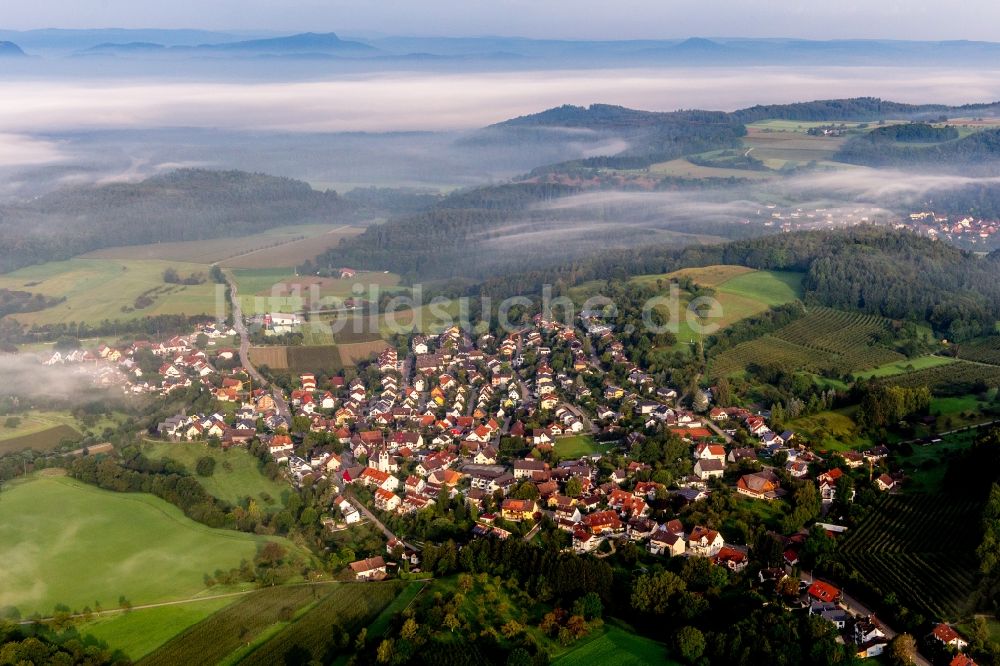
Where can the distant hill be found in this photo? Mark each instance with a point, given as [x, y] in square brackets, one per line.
[10, 49]
[189, 204]
[308, 42]
[650, 136]
[130, 47]
[859, 109]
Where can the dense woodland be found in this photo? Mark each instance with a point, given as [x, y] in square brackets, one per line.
[184, 205]
[896, 274]
[975, 154]
[859, 109]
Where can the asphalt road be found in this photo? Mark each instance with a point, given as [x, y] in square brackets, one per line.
[241, 328]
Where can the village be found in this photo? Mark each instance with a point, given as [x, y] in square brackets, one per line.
[487, 420]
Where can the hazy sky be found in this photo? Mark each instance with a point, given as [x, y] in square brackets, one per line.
[897, 19]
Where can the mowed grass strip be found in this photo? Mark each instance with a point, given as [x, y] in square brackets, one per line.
[139, 632]
[237, 473]
[349, 606]
[64, 542]
[215, 638]
[617, 647]
[902, 367]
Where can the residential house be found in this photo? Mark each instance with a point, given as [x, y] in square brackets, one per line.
[372, 568]
[949, 637]
[760, 485]
[705, 542]
[709, 468]
[663, 542]
[517, 510]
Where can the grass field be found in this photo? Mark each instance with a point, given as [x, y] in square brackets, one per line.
[64, 542]
[740, 293]
[99, 289]
[577, 446]
[902, 367]
[617, 647]
[831, 430]
[139, 632]
[237, 473]
[925, 465]
[263, 290]
[681, 168]
[279, 247]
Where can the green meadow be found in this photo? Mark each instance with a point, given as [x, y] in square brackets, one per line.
[237, 473]
[99, 289]
[64, 542]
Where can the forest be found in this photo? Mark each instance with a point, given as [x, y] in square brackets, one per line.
[892, 273]
[976, 154]
[183, 205]
[859, 109]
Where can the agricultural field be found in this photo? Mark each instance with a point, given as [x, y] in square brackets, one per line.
[43, 440]
[780, 143]
[99, 289]
[617, 647]
[705, 276]
[825, 340]
[351, 353]
[349, 606]
[237, 473]
[140, 631]
[981, 351]
[279, 247]
[299, 357]
[920, 547]
[764, 349]
[263, 290]
[959, 378]
[64, 542]
[681, 168]
[215, 638]
[43, 430]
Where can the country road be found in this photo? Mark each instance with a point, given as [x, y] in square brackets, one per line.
[241, 328]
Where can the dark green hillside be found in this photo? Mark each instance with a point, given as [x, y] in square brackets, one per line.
[651, 136]
[895, 274]
[977, 153]
[859, 109]
[189, 204]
